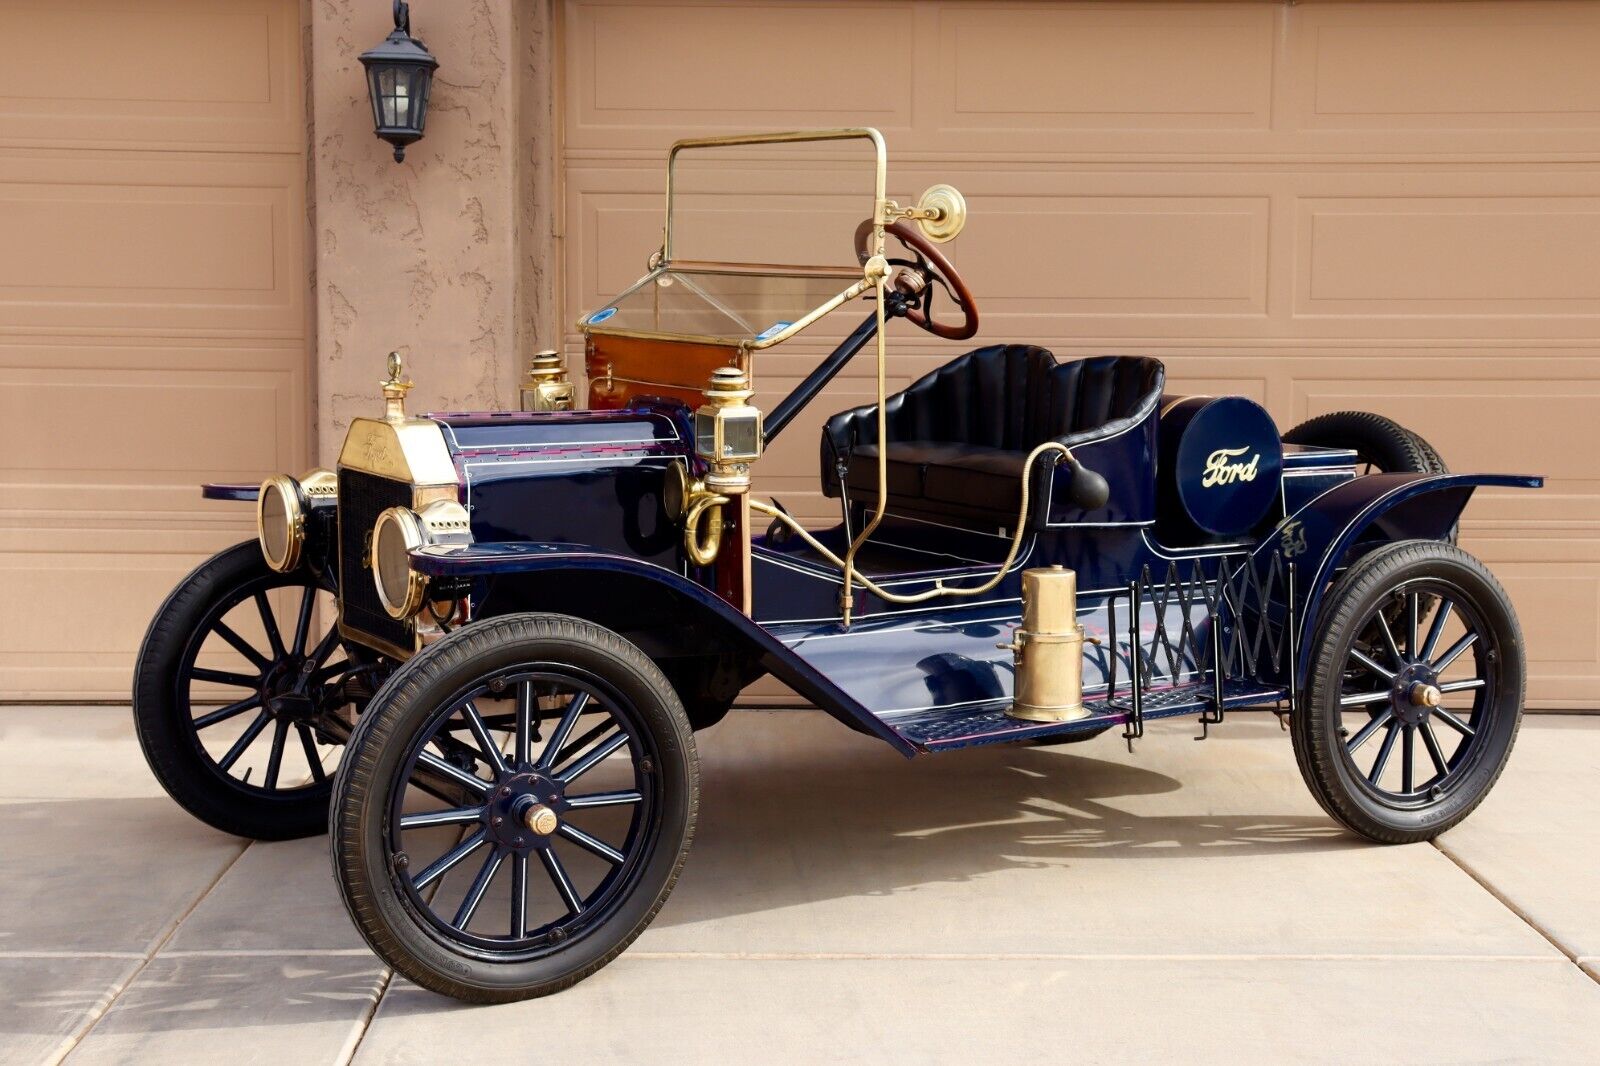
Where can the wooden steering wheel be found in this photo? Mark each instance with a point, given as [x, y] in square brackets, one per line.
[933, 267]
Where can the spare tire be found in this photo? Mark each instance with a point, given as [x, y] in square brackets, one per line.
[1381, 444]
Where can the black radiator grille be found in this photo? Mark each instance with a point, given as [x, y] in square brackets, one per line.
[362, 497]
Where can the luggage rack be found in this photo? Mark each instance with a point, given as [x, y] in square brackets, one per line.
[1169, 634]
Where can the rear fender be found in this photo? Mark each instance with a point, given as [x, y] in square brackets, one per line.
[524, 569]
[1354, 517]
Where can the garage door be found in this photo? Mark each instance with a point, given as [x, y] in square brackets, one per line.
[1393, 207]
[152, 310]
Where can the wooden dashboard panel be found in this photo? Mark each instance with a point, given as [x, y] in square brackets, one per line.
[624, 369]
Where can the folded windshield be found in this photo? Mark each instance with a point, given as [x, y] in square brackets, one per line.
[725, 306]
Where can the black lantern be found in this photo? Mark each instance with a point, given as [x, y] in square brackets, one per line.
[399, 77]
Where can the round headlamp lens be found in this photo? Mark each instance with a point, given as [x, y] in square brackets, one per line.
[396, 535]
[280, 522]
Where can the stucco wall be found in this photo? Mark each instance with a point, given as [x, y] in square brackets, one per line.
[422, 256]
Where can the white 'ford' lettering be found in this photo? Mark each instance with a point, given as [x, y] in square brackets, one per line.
[1219, 471]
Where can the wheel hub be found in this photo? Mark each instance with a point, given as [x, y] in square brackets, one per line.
[283, 688]
[1416, 694]
[522, 810]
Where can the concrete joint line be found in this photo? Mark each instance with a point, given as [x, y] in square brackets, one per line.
[71, 1043]
[1527, 919]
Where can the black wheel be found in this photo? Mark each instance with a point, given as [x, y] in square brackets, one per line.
[238, 695]
[1382, 445]
[1433, 462]
[515, 807]
[1415, 692]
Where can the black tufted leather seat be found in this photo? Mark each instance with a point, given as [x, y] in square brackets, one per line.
[958, 438]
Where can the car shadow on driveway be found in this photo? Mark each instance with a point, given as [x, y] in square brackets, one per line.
[798, 825]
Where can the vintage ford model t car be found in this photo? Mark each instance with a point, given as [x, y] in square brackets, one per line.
[513, 622]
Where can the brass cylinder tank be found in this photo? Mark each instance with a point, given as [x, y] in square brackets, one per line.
[1048, 648]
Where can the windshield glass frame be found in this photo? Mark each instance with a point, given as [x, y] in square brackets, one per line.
[854, 283]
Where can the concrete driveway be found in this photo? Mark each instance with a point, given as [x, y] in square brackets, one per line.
[1012, 904]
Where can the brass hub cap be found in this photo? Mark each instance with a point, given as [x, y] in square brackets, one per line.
[1425, 695]
[540, 819]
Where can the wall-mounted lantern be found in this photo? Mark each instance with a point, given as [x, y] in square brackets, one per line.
[399, 78]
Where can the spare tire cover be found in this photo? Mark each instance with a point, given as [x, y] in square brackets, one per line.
[1223, 460]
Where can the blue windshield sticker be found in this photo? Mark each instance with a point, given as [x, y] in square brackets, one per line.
[773, 330]
[600, 316]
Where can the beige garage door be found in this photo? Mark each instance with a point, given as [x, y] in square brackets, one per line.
[1393, 207]
[152, 310]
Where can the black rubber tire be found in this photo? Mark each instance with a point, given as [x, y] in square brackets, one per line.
[359, 814]
[1318, 747]
[1430, 455]
[1381, 442]
[166, 732]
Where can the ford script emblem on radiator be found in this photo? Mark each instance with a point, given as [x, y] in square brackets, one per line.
[1222, 470]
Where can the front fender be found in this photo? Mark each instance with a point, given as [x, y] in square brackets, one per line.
[491, 560]
[1355, 516]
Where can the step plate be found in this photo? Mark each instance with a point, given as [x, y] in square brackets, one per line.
[987, 723]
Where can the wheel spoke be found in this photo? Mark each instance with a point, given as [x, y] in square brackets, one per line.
[331, 671]
[302, 622]
[309, 746]
[250, 733]
[445, 862]
[589, 761]
[1454, 653]
[491, 750]
[280, 733]
[325, 647]
[519, 896]
[453, 772]
[563, 883]
[563, 729]
[1388, 639]
[1435, 631]
[242, 646]
[223, 677]
[1361, 699]
[452, 816]
[480, 885]
[1461, 686]
[1383, 753]
[603, 799]
[1454, 723]
[1366, 731]
[1435, 753]
[222, 714]
[1407, 750]
[270, 624]
[1371, 664]
[1411, 625]
[524, 727]
[591, 845]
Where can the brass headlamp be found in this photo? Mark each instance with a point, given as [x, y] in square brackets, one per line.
[281, 509]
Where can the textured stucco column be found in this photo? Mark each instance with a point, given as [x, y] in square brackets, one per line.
[420, 256]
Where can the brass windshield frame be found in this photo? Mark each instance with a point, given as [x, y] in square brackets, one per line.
[663, 260]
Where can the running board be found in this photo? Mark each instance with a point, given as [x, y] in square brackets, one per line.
[948, 728]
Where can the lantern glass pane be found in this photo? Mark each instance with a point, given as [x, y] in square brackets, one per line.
[421, 84]
[741, 434]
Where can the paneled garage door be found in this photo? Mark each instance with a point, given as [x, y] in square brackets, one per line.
[152, 310]
[1393, 207]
